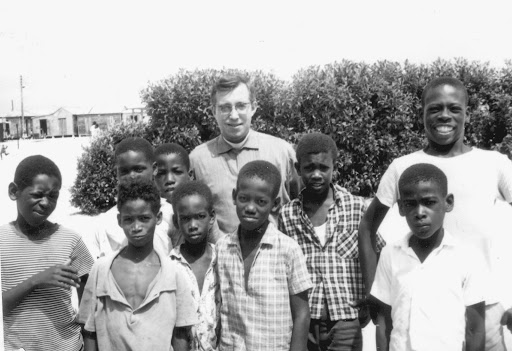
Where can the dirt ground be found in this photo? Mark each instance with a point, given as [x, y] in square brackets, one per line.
[65, 152]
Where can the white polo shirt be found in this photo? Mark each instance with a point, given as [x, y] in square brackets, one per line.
[429, 299]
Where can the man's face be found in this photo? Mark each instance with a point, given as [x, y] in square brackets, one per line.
[444, 115]
[233, 111]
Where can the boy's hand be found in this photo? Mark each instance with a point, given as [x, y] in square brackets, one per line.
[62, 276]
[506, 319]
[368, 309]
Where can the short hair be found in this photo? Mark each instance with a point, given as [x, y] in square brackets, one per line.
[32, 166]
[440, 81]
[135, 144]
[314, 143]
[263, 170]
[173, 148]
[193, 187]
[139, 189]
[423, 172]
[230, 82]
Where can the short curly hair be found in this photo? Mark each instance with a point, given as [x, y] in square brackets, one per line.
[263, 170]
[423, 172]
[440, 81]
[138, 189]
[193, 187]
[32, 166]
[135, 144]
[314, 143]
[173, 148]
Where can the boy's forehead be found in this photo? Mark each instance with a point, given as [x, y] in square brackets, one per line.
[132, 157]
[172, 159]
[255, 183]
[189, 201]
[324, 157]
[445, 91]
[427, 186]
[135, 206]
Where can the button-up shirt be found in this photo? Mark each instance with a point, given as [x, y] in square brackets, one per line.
[217, 164]
[429, 299]
[105, 311]
[334, 266]
[203, 334]
[259, 317]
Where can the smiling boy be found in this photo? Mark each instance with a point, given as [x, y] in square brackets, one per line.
[136, 299]
[477, 179]
[429, 285]
[263, 277]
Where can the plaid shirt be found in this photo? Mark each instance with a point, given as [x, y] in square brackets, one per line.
[259, 317]
[334, 267]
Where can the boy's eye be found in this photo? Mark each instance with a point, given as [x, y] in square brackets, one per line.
[201, 216]
[262, 202]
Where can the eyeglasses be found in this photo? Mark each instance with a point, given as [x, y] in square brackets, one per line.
[240, 107]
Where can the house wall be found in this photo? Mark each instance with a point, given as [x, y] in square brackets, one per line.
[105, 121]
[59, 123]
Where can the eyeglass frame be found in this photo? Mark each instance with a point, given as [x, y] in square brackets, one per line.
[238, 109]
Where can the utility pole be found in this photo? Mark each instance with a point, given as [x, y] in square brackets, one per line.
[22, 113]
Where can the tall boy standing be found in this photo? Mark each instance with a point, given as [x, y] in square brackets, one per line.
[135, 298]
[262, 273]
[134, 159]
[476, 178]
[429, 285]
[324, 221]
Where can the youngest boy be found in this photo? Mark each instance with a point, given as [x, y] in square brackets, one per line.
[429, 286]
[263, 277]
[136, 297]
[194, 216]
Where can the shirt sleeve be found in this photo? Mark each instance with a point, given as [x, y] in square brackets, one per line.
[476, 277]
[381, 288]
[297, 271]
[505, 178]
[387, 193]
[81, 258]
[186, 314]
[89, 301]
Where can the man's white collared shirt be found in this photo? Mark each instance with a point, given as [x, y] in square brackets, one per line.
[429, 298]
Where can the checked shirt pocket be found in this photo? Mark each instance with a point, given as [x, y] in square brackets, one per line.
[346, 245]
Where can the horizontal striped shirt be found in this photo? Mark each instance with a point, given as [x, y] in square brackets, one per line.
[217, 164]
[334, 266]
[259, 317]
[45, 318]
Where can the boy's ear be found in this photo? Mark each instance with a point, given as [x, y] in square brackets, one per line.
[468, 115]
[212, 217]
[175, 221]
[276, 205]
[400, 208]
[155, 169]
[192, 174]
[13, 191]
[297, 167]
[119, 219]
[159, 217]
[233, 194]
[450, 202]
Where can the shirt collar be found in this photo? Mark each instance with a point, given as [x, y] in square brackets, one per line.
[251, 143]
[176, 253]
[268, 238]
[448, 240]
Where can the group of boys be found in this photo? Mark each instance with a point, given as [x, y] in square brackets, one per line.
[166, 278]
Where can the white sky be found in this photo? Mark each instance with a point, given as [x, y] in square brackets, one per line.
[102, 53]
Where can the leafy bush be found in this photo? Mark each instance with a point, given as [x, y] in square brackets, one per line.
[372, 111]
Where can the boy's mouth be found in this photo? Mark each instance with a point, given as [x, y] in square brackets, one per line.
[443, 129]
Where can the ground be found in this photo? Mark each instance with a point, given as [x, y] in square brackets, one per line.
[65, 152]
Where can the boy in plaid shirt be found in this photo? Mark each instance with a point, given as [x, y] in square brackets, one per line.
[324, 220]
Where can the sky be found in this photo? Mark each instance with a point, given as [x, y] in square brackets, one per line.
[101, 54]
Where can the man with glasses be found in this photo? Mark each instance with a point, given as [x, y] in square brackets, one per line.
[218, 161]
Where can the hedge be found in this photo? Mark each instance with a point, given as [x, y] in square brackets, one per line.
[372, 111]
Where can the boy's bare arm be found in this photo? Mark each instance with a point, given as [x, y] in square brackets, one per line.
[384, 326]
[475, 327]
[180, 340]
[63, 276]
[90, 342]
[300, 315]
[367, 240]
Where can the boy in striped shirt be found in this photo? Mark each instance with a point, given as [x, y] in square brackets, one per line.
[41, 261]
